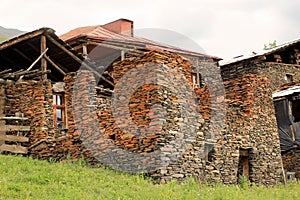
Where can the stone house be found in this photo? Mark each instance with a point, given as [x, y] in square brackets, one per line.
[279, 68]
[33, 68]
[140, 106]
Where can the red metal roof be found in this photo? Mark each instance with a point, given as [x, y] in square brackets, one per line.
[102, 34]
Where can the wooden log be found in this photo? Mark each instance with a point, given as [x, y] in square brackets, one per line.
[13, 138]
[43, 60]
[13, 118]
[13, 148]
[14, 128]
[5, 71]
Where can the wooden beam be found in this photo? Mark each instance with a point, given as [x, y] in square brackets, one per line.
[13, 148]
[50, 60]
[43, 60]
[55, 65]
[78, 60]
[116, 47]
[32, 65]
[14, 128]
[13, 138]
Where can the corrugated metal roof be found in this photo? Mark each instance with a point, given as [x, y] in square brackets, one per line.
[259, 53]
[102, 34]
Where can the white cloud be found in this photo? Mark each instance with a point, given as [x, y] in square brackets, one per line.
[224, 28]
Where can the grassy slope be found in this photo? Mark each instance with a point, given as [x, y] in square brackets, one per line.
[2, 39]
[23, 178]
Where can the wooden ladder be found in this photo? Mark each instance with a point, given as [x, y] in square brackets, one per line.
[5, 129]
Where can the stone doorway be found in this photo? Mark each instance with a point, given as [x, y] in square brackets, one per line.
[244, 164]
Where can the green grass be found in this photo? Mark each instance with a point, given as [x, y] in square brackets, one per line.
[2, 39]
[25, 178]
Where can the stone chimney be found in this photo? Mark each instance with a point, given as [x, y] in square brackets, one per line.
[121, 26]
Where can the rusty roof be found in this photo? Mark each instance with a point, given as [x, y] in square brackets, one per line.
[101, 34]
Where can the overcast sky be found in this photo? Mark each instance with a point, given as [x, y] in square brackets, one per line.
[224, 28]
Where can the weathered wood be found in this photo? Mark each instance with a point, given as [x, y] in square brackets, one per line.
[13, 138]
[13, 148]
[78, 60]
[55, 65]
[13, 118]
[14, 128]
[84, 51]
[5, 71]
[21, 73]
[32, 75]
[43, 60]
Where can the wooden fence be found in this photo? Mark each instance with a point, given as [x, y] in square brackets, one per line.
[15, 140]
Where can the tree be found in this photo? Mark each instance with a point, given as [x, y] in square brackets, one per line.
[271, 45]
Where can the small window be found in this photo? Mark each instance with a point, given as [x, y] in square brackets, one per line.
[288, 78]
[59, 110]
[197, 80]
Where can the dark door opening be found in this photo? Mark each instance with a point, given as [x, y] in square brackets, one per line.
[244, 165]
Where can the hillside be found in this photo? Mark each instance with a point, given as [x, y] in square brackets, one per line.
[25, 178]
[6, 33]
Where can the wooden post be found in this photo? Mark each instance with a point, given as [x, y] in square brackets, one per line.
[122, 55]
[198, 79]
[84, 51]
[43, 60]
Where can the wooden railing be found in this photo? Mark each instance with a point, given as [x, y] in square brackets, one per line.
[16, 139]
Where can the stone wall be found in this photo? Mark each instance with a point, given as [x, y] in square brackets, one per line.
[250, 124]
[274, 71]
[34, 100]
[249, 87]
[277, 71]
[155, 121]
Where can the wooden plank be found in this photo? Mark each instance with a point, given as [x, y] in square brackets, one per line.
[13, 118]
[245, 164]
[13, 148]
[13, 138]
[14, 128]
